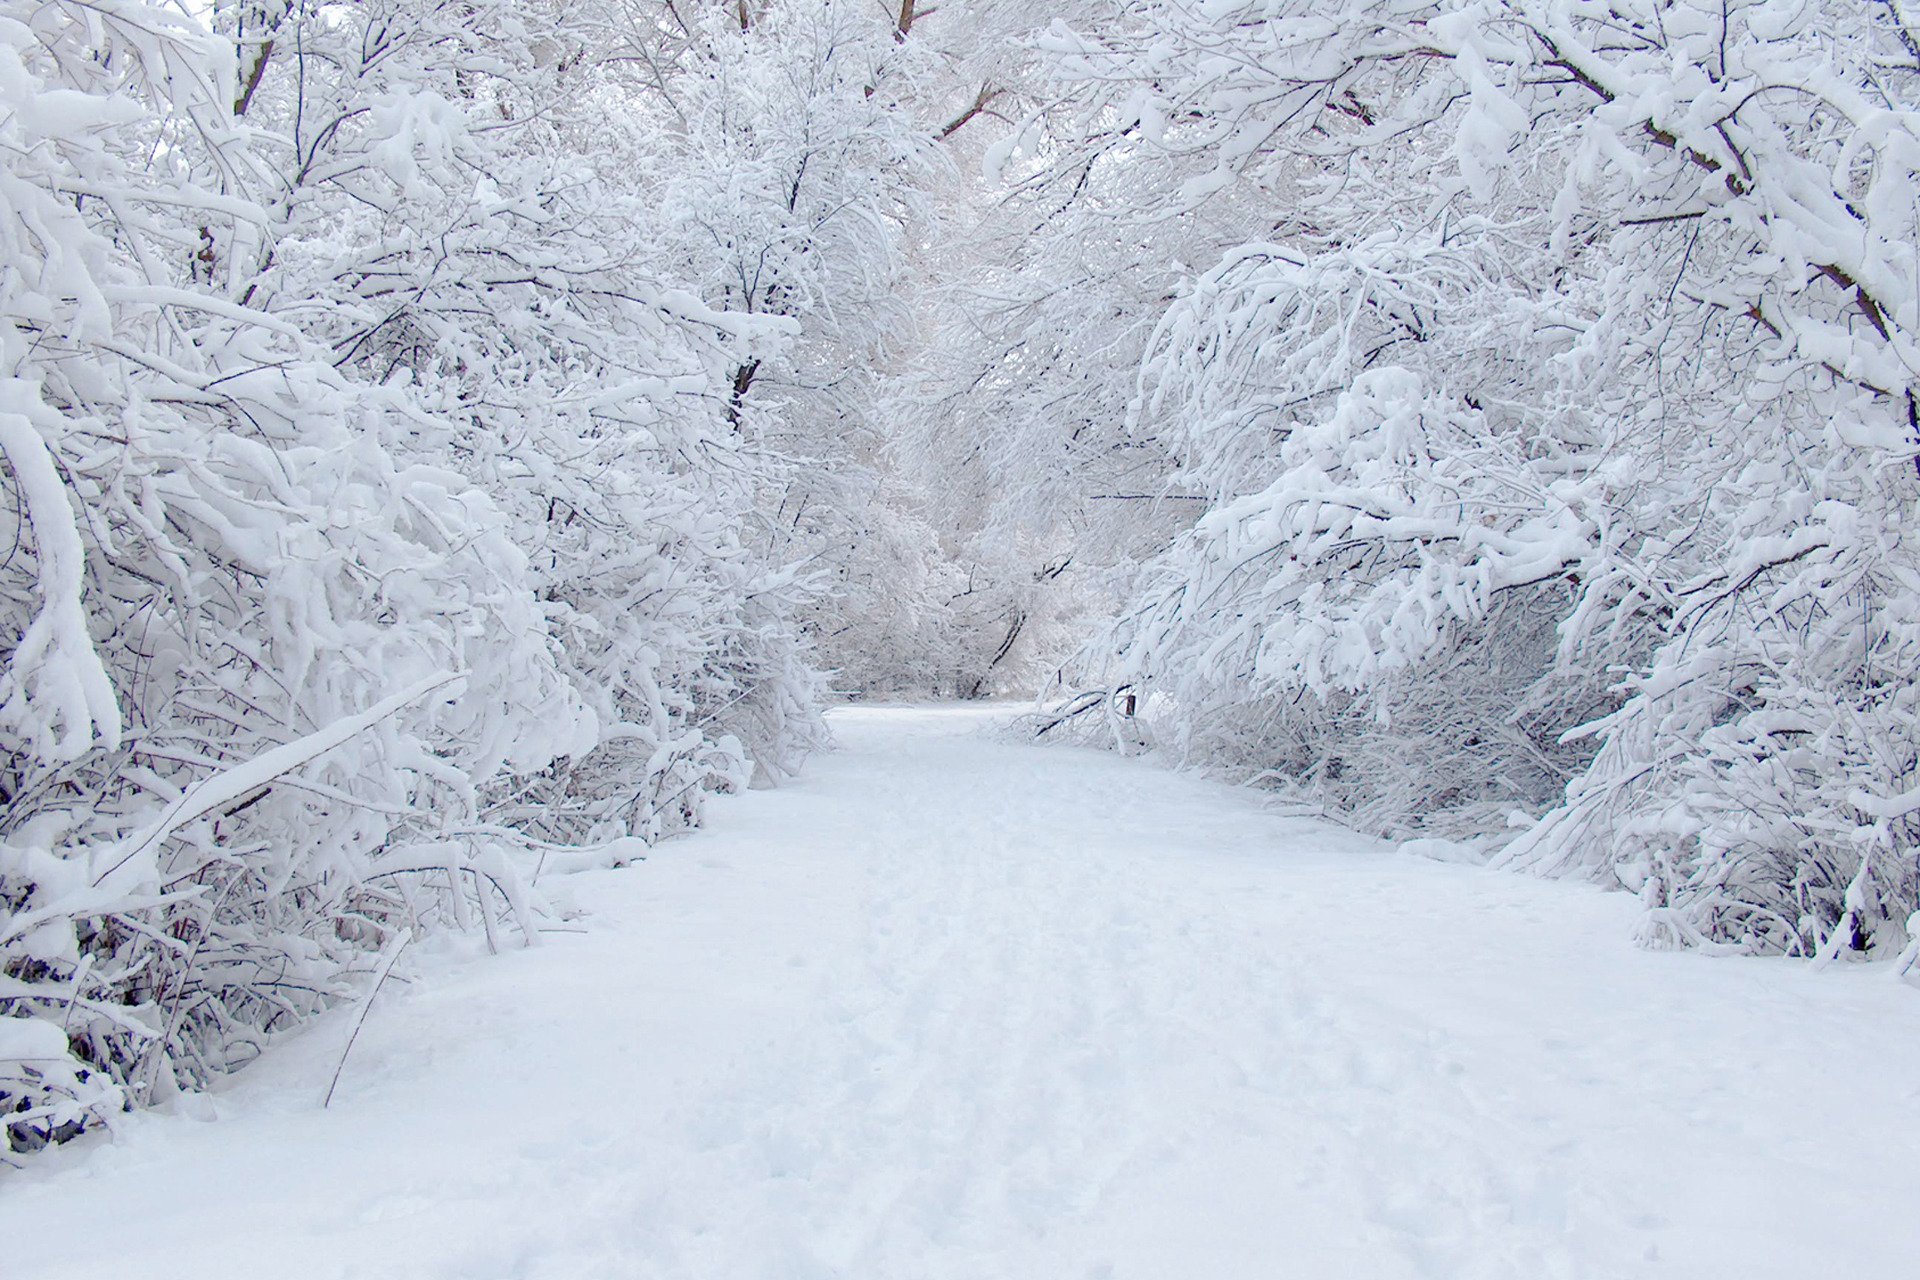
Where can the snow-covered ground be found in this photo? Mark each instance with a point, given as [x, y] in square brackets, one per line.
[951, 1007]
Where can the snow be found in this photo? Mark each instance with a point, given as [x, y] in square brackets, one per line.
[54, 694]
[952, 1006]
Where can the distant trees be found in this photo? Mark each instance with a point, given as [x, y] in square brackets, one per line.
[816, 161]
[790, 158]
[1554, 416]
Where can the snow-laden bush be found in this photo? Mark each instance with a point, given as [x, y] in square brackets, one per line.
[374, 523]
[1557, 431]
[467, 232]
[257, 666]
[1394, 591]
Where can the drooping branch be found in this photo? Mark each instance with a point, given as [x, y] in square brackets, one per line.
[1738, 184]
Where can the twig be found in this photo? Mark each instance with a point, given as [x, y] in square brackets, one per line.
[392, 953]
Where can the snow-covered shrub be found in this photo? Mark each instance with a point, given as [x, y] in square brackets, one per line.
[258, 666]
[1557, 425]
[375, 517]
[468, 234]
[1393, 592]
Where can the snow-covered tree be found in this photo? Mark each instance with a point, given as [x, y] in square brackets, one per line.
[258, 664]
[1556, 428]
[377, 515]
[468, 229]
[789, 161]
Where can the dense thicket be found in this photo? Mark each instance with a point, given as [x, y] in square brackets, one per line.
[446, 440]
[1545, 372]
[393, 511]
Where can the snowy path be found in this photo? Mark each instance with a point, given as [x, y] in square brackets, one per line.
[956, 1008]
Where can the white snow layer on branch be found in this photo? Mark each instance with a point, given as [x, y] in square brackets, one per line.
[1555, 410]
[55, 694]
[306, 406]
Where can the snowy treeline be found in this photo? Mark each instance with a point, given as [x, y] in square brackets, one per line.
[446, 441]
[421, 422]
[1542, 373]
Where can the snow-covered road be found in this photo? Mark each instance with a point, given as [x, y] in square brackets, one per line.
[951, 1007]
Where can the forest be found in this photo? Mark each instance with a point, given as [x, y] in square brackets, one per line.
[448, 442]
